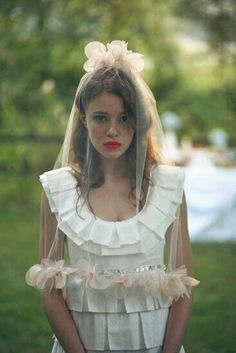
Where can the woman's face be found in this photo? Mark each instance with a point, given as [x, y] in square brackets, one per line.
[109, 127]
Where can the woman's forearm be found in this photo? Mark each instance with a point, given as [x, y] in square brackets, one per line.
[177, 324]
[61, 322]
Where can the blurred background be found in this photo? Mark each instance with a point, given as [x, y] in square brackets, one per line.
[190, 60]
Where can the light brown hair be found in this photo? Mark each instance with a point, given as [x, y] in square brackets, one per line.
[90, 174]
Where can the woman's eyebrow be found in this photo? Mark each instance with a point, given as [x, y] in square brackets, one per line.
[100, 112]
[106, 113]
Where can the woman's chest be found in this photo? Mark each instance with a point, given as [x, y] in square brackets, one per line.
[112, 203]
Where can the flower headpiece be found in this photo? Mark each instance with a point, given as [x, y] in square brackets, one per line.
[111, 55]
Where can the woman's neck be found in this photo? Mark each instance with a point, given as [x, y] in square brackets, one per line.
[115, 169]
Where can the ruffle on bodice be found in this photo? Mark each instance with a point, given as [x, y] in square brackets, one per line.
[114, 238]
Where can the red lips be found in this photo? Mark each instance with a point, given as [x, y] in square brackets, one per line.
[112, 144]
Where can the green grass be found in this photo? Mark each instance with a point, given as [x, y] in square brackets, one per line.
[212, 328]
[24, 329]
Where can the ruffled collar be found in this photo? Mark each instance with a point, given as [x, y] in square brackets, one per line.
[164, 196]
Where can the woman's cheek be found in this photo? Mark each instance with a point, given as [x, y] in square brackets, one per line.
[95, 132]
[97, 135]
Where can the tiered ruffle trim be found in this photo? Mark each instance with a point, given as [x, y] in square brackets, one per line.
[114, 238]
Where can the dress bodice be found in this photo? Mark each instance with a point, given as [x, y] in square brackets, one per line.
[102, 237]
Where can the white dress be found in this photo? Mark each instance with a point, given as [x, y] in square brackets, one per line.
[112, 297]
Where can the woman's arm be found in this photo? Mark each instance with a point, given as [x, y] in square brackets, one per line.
[59, 317]
[61, 321]
[179, 315]
[180, 310]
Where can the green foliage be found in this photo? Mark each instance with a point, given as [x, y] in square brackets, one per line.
[218, 18]
[42, 60]
[21, 164]
[42, 56]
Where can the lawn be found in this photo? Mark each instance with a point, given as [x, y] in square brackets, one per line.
[24, 329]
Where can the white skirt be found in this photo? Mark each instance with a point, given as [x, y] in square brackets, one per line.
[121, 331]
[57, 348]
[139, 332]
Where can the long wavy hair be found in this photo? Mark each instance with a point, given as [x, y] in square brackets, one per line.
[89, 173]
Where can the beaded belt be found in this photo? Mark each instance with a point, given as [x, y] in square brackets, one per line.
[134, 270]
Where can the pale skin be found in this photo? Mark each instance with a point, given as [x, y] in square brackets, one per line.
[106, 120]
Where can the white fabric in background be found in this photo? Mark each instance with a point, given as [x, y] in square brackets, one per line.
[211, 199]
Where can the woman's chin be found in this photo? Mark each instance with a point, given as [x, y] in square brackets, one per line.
[112, 155]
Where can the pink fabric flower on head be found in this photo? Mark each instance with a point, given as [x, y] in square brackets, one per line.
[115, 54]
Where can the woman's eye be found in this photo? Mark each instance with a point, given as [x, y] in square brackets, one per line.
[123, 118]
[100, 118]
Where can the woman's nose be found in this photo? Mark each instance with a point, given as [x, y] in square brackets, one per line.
[112, 131]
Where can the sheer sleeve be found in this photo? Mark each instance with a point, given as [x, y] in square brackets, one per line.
[51, 237]
[50, 272]
[179, 255]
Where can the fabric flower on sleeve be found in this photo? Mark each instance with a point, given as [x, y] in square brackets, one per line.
[176, 284]
[48, 275]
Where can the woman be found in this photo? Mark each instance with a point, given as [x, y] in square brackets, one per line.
[115, 205]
